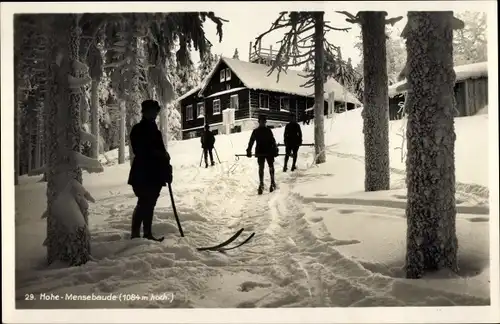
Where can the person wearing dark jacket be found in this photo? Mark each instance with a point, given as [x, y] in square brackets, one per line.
[266, 150]
[293, 140]
[207, 144]
[151, 169]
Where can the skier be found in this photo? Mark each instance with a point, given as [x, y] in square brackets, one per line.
[293, 140]
[151, 169]
[266, 150]
[207, 144]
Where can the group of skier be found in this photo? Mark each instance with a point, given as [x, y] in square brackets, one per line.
[266, 148]
[151, 169]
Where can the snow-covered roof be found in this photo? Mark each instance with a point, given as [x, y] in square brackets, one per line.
[225, 92]
[462, 72]
[255, 76]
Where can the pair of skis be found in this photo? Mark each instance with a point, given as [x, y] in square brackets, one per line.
[222, 246]
[219, 247]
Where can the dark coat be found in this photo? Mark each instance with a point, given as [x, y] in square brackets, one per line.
[207, 140]
[266, 144]
[151, 165]
[293, 135]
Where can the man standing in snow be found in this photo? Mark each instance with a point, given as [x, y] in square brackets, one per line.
[151, 169]
[207, 144]
[293, 140]
[265, 151]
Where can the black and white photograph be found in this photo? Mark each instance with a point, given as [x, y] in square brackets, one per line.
[250, 162]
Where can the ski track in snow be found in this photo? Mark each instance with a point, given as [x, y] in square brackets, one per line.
[298, 264]
[291, 261]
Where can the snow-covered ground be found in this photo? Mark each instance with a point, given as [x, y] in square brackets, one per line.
[320, 240]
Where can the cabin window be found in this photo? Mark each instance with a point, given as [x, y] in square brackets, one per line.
[234, 102]
[228, 74]
[189, 112]
[200, 106]
[263, 101]
[285, 104]
[216, 106]
[222, 75]
[228, 86]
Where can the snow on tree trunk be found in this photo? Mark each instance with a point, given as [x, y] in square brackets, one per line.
[163, 126]
[68, 237]
[94, 112]
[430, 164]
[376, 101]
[319, 95]
[123, 131]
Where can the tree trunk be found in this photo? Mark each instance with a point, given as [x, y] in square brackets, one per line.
[123, 131]
[30, 144]
[68, 239]
[17, 121]
[430, 164]
[376, 101]
[94, 116]
[39, 133]
[319, 95]
[134, 98]
[164, 126]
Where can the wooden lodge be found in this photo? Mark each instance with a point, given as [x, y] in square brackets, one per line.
[246, 87]
[471, 91]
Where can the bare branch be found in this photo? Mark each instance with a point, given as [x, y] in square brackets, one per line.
[353, 19]
[337, 29]
[392, 21]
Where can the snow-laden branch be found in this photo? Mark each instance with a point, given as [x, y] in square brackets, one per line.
[86, 163]
[88, 137]
[68, 205]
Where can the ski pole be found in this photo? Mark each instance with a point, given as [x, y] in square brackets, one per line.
[312, 144]
[175, 210]
[201, 157]
[217, 154]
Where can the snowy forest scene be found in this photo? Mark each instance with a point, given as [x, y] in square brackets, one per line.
[332, 159]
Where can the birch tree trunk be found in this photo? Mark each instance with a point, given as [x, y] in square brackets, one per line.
[376, 101]
[94, 115]
[430, 165]
[123, 131]
[319, 95]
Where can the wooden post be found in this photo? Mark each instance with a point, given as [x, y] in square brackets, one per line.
[250, 52]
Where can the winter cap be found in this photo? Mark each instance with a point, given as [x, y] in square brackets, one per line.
[150, 105]
[207, 126]
[262, 117]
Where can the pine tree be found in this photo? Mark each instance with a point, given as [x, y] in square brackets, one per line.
[207, 63]
[430, 164]
[187, 77]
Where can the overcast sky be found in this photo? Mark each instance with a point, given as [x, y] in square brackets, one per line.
[248, 20]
